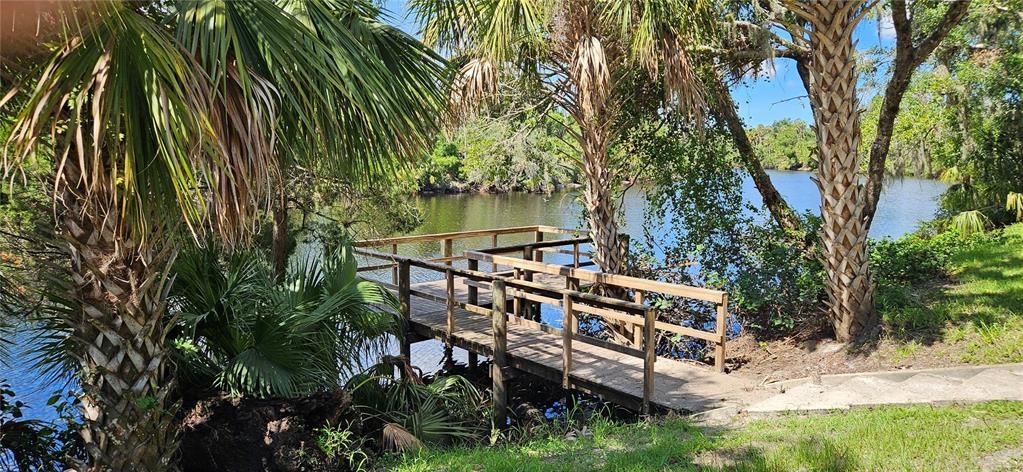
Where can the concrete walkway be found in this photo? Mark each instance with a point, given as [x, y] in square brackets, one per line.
[967, 384]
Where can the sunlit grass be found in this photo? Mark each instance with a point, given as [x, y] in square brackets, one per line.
[892, 438]
[985, 307]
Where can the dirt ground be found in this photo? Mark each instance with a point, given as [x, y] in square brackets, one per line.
[799, 357]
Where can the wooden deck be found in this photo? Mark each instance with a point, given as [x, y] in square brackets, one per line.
[597, 370]
[460, 309]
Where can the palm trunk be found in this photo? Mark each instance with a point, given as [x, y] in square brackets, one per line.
[844, 231]
[601, 214]
[120, 289]
[280, 237]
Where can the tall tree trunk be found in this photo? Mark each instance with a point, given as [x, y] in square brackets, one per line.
[280, 236]
[120, 289]
[780, 210]
[844, 230]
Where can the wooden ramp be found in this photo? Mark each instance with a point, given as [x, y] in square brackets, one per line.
[496, 314]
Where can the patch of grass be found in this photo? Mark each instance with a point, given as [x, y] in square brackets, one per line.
[892, 438]
[982, 311]
[987, 302]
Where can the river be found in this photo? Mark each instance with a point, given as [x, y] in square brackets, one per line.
[904, 205]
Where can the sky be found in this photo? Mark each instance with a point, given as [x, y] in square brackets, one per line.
[776, 95]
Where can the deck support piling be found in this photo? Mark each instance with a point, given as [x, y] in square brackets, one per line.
[568, 320]
[500, 331]
[405, 299]
[449, 360]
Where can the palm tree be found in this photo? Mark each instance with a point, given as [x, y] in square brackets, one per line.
[582, 57]
[824, 49]
[157, 139]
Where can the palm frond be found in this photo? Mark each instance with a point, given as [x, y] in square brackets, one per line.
[1014, 202]
[970, 222]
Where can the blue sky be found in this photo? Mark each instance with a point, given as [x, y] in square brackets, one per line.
[763, 100]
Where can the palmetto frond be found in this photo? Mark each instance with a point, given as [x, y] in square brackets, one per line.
[356, 96]
[244, 333]
[1014, 202]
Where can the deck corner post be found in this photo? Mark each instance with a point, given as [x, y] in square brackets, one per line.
[721, 332]
[650, 317]
[568, 320]
[405, 298]
[499, 327]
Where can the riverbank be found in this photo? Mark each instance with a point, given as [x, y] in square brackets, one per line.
[979, 437]
[974, 317]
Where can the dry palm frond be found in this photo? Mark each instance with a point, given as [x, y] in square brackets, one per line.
[474, 84]
[399, 439]
[682, 88]
[591, 74]
[1014, 202]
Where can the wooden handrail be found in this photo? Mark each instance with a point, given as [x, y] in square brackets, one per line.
[416, 238]
[698, 293]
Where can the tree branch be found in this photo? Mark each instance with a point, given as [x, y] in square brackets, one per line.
[907, 58]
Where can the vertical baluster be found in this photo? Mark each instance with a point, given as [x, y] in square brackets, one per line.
[649, 358]
[493, 244]
[575, 255]
[538, 237]
[637, 331]
[447, 250]
[720, 332]
[394, 268]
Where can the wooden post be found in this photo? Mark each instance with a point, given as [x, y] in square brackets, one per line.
[447, 250]
[721, 332]
[500, 331]
[567, 321]
[517, 302]
[637, 332]
[405, 298]
[394, 268]
[575, 255]
[493, 243]
[539, 238]
[531, 309]
[572, 283]
[450, 275]
[649, 359]
[474, 292]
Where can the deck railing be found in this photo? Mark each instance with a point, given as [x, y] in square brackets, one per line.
[518, 285]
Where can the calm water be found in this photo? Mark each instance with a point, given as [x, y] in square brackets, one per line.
[904, 205]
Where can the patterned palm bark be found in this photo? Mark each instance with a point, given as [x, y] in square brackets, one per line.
[833, 79]
[119, 292]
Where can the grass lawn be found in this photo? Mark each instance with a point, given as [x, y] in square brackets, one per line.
[985, 308]
[979, 437]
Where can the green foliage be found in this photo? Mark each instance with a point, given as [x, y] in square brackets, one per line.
[714, 238]
[442, 168]
[785, 144]
[412, 414]
[902, 266]
[240, 332]
[516, 151]
[27, 444]
[342, 447]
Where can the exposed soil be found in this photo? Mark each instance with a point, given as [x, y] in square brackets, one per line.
[225, 434]
[808, 356]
